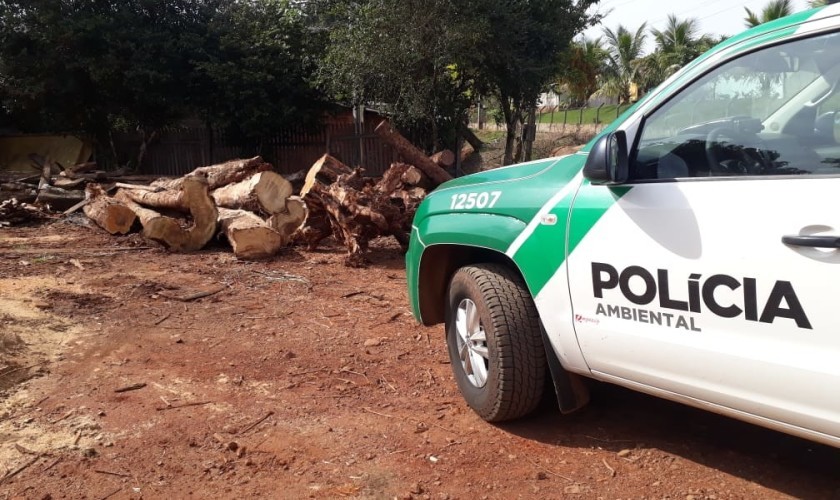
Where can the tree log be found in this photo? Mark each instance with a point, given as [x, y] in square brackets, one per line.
[221, 174]
[415, 177]
[326, 171]
[317, 226]
[470, 137]
[59, 199]
[445, 159]
[466, 151]
[264, 192]
[411, 154]
[249, 235]
[156, 227]
[172, 199]
[108, 213]
[286, 223]
[167, 230]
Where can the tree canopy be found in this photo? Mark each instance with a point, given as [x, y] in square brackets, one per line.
[104, 65]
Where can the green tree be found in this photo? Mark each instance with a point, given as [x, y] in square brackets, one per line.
[624, 51]
[813, 4]
[522, 52]
[775, 9]
[414, 59]
[580, 68]
[96, 66]
[679, 43]
[426, 61]
[253, 74]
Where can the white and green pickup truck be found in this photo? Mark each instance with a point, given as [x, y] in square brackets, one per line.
[690, 251]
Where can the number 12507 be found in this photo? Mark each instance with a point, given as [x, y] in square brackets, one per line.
[469, 201]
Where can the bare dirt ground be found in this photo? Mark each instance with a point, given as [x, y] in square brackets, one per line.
[305, 379]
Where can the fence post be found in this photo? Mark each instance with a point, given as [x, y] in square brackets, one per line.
[598, 113]
[551, 124]
[565, 116]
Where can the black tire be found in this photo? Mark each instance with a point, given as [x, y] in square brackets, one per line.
[515, 361]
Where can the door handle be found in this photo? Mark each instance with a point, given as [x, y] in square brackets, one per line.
[812, 241]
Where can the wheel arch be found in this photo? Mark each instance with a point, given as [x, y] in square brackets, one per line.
[570, 389]
[437, 265]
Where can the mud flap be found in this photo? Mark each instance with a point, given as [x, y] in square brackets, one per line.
[570, 389]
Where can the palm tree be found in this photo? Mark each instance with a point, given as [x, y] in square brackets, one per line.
[624, 48]
[582, 63]
[813, 4]
[775, 9]
[677, 44]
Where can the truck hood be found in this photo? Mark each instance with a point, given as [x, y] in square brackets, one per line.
[518, 191]
[502, 174]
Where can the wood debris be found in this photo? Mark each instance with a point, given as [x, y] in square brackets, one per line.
[355, 209]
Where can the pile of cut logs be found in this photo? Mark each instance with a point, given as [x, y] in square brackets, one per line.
[244, 200]
[254, 207]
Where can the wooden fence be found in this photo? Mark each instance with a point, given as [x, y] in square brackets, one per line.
[178, 151]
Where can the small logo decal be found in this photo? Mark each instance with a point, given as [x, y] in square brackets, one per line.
[548, 220]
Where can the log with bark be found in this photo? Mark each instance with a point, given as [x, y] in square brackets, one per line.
[445, 159]
[249, 235]
[323, 172]
[410, 153]
[288, 222]
[192, 196]
[59, 199]
[108, 213]
[263, 192]
[22, 192]
[359, 210]
[221, 174]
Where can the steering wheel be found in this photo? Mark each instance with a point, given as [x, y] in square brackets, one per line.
[739, 162]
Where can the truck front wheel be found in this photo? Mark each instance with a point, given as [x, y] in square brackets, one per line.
[494, 340]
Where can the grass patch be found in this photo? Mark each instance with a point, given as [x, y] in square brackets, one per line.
[607, 114]
[489, 135]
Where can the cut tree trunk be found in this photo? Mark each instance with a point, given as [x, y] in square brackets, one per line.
[413, 176]
[59, 199]
[221, 174]
[249, 235]
[317, 226]
[172, 199]
[466, 151]
[286, 223]
[264, 192]
[156, 227]
[445, 159]
[196, 199]
[108, 213]
[411, 154]
[326, 171]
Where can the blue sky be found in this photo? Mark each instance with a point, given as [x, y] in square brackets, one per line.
[715, 16]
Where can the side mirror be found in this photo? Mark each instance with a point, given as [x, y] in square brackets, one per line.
[608, 162]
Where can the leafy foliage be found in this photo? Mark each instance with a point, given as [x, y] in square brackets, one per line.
[253, 75]
[775, 9]
[95, 66]
[624, 49]
[413, 58]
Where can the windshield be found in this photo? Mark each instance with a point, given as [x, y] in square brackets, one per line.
[755, 86]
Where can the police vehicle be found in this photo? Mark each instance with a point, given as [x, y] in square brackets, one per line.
[690, 251]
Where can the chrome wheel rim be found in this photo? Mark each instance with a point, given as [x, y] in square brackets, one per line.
[472, 343]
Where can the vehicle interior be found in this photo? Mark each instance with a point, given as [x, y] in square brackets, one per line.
[772, 112]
